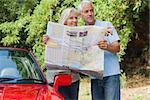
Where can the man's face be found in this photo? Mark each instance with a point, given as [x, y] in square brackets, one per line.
[88, 14]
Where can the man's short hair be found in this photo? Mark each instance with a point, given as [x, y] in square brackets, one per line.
[84, 1]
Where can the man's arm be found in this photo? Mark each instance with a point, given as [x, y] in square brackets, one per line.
[114, 47]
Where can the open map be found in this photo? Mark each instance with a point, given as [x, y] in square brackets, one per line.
[75, 48]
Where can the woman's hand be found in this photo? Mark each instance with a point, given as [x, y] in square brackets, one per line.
[45, 38]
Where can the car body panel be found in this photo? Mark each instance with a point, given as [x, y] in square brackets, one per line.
[20, 91]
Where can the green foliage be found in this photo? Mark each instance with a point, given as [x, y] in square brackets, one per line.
[123, 80]
[11, 10]
[37, 27]
[11, 32]
[25, 7]
[137, 97]
[39, 19]
[8, 10]
[27, 31]
[16, 15]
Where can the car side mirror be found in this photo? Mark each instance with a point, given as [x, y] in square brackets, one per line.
[62, 80]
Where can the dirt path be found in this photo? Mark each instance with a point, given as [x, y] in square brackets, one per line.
[140, 93]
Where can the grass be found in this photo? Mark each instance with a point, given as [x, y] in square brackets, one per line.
[84, 90]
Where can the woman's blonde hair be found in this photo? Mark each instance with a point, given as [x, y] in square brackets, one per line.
[65, 15]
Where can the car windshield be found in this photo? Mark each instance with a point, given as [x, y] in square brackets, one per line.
[18, 66]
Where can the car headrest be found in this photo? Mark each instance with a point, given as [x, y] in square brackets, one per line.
[9, 72]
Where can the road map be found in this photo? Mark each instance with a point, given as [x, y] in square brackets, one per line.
[75, 48]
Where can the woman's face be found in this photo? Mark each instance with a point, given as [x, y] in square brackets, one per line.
[72, 20]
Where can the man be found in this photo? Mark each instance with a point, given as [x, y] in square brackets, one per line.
[109, 87]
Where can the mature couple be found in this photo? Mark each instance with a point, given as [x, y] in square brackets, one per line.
[109, 87]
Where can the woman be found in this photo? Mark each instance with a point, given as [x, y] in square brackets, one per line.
[68, 17]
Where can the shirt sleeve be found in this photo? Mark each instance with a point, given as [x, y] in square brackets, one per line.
[114, 37]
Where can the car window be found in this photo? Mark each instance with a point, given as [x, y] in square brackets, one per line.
[18, 65]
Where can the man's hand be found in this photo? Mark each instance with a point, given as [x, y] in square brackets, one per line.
[113, 47]
[103, 44]
[45, 38]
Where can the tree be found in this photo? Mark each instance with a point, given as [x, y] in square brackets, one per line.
[11, 10]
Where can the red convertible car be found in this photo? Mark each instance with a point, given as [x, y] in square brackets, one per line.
[21, 78]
